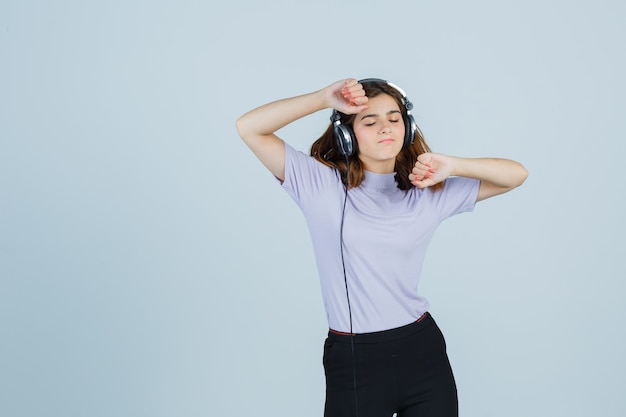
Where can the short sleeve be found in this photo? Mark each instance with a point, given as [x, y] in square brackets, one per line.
[306, 178]
[458, 196]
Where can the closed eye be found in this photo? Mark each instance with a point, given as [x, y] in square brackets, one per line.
[390, 121]
[392, 114]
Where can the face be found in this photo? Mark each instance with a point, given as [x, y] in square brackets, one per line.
[379, 131]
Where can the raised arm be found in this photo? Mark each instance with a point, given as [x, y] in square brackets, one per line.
[257, 126]
[496, 175]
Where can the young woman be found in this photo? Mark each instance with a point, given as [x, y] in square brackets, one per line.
[373, 194]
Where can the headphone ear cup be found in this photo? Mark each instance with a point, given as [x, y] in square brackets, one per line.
[344, 138]
[410, 130]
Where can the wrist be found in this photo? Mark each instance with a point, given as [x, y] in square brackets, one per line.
[457, 166]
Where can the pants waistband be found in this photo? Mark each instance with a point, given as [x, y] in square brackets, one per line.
[384, 335]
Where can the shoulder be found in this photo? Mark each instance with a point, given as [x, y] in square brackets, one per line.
[303, 173]
[460, 185]
[457, 196]
[297, 160]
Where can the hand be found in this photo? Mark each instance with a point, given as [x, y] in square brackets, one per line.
[346, 96]
[430, 169]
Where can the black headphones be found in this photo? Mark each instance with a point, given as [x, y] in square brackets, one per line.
[344, 135]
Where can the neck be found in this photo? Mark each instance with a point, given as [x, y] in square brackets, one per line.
[379, 167]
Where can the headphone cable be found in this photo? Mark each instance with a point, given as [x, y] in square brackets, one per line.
[345, 279]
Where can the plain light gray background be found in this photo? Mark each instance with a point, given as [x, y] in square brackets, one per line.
[150, 266]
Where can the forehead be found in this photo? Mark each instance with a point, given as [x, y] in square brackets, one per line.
[380, 105]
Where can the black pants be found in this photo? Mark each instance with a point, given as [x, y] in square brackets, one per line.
[404, 370]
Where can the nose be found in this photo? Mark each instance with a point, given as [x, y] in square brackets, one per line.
[385, 128]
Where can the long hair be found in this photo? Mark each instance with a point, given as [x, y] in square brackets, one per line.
[325, 149]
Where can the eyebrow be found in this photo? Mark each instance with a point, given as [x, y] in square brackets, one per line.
[376, 115]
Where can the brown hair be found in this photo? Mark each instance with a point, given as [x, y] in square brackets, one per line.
[325, 150]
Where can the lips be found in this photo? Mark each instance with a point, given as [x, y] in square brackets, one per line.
[388, 140]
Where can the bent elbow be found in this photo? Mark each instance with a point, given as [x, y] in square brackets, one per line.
[522, 175]
[240, 125]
